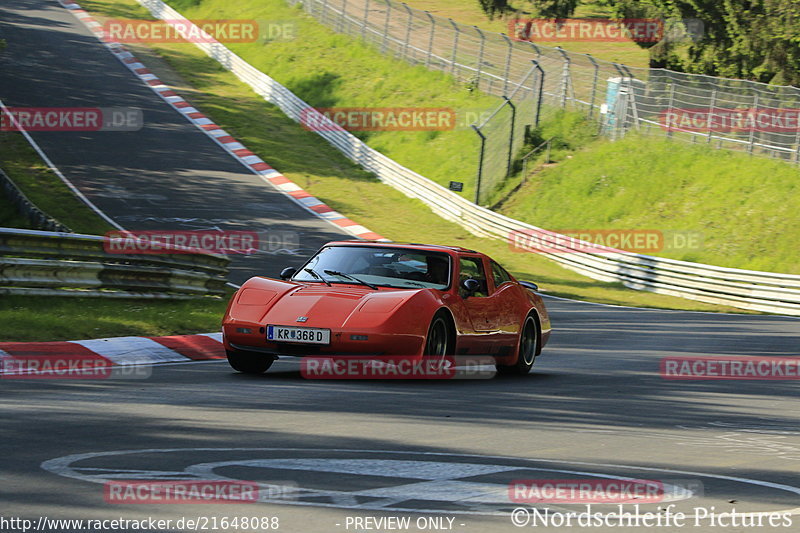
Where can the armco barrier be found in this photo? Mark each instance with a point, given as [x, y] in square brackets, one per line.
[27, 209]
[65, 264]
[744, 289]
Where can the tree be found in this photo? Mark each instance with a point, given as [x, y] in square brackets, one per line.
[752, 39]
[551, 9]
[554, 9]
[494, 7]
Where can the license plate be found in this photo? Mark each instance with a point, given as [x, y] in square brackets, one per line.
[296, 334]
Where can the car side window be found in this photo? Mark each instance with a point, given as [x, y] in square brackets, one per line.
[499, 274]
[472, 267]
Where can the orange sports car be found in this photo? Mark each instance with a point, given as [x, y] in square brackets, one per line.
[387, 299]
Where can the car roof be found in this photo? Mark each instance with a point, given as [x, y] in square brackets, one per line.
[408, 245]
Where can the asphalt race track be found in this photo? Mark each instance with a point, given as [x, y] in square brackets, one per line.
[595, 405]
[167, 176]
[332, 455]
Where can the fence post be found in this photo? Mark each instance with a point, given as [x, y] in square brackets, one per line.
[366, 19]
[753, 126]
[408, 31]
[564, 76]
[480, 164]
[594, 84]
[632, 100]
[541, 91]
[456, 31]
[480, 56]
[323, 13]
[536, 49]
[386, 27]
[511, 134]
[508, 62]
[342, 17]
[711, 107]
[430, 40]
[669, 106]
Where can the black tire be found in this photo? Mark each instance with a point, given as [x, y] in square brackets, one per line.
[528, 346]
[249, 362]
[438, 341]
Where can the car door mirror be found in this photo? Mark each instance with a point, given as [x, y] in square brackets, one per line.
[471, 286]
[287, 273]
[529, 285]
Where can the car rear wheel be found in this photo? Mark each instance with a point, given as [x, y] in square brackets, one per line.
[249, 362]
[528, 345]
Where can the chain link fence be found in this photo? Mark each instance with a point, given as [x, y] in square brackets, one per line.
[724, 113]
[502, 134]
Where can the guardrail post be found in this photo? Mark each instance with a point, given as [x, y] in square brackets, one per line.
[511, 134]
[408, 30]
[480, 164]
[386, 27]
[430, 40]
[365, 20]
[508, 62]
[594, 84]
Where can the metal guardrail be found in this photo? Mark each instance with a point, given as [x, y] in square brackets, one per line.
[66, 264]
[744, 289]
[35, 216]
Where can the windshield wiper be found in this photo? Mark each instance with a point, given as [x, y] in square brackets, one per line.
[348, 276]
[317, 276]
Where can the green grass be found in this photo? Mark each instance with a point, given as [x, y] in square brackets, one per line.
[314, 165]
[9, 216]
[43, 188]
[28, 319]
[745, 208]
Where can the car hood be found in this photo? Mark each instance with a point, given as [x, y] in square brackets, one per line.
[323, 306]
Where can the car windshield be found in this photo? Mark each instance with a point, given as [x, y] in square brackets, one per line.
[386, 267]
